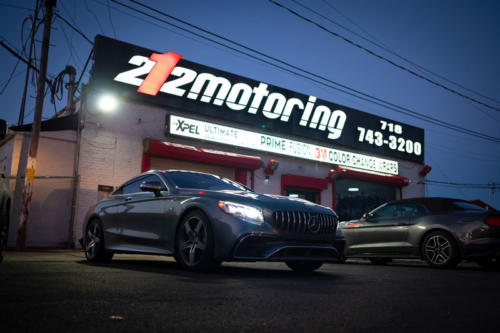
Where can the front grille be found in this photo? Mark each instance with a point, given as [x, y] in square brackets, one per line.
[305, 222]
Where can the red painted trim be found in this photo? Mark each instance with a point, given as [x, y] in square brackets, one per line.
[252, 179]
[370, 177]
[240, 176]
[303, 181]
[146, 162]
[190, 153]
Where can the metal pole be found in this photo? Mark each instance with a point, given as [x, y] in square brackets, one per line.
[76, 162]
[32, 42]
[35, 130]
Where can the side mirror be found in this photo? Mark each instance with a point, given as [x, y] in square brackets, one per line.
[153, 186]
[367, 216]
[3, 129]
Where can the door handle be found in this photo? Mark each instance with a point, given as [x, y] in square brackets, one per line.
[128, 198]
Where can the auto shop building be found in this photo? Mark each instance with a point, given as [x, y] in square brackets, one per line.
[146, 110]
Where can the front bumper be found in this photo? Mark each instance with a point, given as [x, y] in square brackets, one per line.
[269, 248]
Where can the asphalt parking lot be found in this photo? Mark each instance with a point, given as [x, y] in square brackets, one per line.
[58, 291]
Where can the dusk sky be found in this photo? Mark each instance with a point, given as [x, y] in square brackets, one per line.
[454, 43]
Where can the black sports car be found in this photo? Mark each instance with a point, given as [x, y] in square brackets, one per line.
[441, 231]
[202, 220]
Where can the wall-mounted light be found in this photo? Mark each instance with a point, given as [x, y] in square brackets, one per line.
[107, 103]
[332, 174]
[425, 170]
[272, 165]
[353, 189]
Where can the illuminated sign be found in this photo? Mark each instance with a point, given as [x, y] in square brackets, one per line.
[166, 79]
[207, 131]
[238, 97]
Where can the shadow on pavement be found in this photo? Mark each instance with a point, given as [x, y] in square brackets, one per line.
[226, 270]
[462, 266]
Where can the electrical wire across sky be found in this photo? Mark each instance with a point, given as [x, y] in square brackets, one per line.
[302, 72]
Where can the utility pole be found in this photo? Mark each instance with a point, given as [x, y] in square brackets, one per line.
[32, 43]
[35, 130]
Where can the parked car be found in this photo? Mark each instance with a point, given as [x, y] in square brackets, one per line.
[339, 244]
[203, 219]
[4, 215]
[441, 231]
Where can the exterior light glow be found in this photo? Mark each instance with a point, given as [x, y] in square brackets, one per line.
[107, 103]
[353, 189]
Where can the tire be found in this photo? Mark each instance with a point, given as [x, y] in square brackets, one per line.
[380, 261]
[4, 230]
[93, 243]
[194, 243]
[304, 266]
[439, 250]
[489, 262]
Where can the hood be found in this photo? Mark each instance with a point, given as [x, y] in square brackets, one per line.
[270, 201]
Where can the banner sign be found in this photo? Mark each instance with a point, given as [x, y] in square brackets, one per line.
[166, 79]
[202, 130]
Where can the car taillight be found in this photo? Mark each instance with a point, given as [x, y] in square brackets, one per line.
[494, 221]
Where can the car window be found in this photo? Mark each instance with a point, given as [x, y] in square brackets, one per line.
[419, 210]
[383, 211]
[398, 211]
[152, 179]
[203, 181]
[132, 187]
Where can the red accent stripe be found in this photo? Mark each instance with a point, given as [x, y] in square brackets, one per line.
[303, 181]
[165, 64]
[190, 153]
[370, 177]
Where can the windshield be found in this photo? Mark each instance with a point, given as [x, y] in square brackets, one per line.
[203, 181]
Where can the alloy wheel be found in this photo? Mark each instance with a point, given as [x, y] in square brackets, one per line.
[94, 243]
[193, 241]
[438, 250]
[93, 240]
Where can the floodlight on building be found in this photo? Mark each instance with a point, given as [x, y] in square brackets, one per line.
[107, 103]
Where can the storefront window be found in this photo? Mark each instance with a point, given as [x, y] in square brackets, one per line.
[354, 197]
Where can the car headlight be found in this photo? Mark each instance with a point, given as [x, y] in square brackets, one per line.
[244, 212]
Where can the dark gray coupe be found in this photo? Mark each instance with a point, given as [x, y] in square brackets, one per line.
[202, 220]
[441, 231]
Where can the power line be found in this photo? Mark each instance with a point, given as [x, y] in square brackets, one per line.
[72, 55]
[382, 57]
[16, 54]
[17, 7]
[345, 89]
[492, 185]
[75, 29]
[387, 48]
[2, 89]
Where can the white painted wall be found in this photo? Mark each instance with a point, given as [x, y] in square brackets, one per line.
[50, 210]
